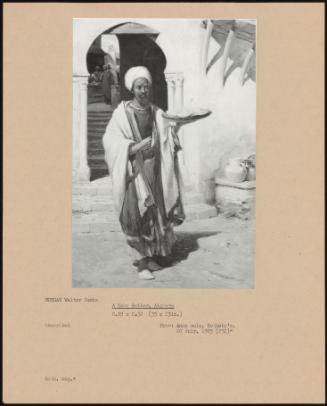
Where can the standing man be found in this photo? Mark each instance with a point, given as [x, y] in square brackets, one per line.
[140, 150]
[114, 75]
[106, 83]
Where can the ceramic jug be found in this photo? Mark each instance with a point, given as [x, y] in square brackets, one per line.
[236, 170]
[251, 173]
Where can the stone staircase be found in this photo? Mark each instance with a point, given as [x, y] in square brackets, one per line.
[93, 207]
[95, 94]
[96, 125]
[96, 98]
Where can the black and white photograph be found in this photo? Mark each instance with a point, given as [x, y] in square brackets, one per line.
[164, 153]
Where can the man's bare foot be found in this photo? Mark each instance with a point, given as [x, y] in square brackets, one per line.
[146, 274]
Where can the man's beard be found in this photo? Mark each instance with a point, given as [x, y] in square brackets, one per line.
[144, 99]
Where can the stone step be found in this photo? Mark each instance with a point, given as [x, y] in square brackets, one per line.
[96, 153]
[96, 137]
[106, 220]
[99, 118]
[106, 110]
[199, 211]
[104, 120]
[91, 191]
[88, 191]
[95, 141]
[107, 191]
[100, 114]
[95, 149]
[96, 134]
[98, 200]
[192, 198]
[98, 97]
[98, 187]
[95, 144]
[96, 127]
[104, 187]
[88, 206]
[95, 156]
[95, 100]
[100, 107]
[98, 163]
[101, 167]
[97, 160]
[95, 91]
[98, 174]
[95, 226]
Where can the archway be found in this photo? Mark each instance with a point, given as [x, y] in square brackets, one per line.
[136, 45]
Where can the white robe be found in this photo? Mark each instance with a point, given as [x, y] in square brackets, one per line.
[117, 140]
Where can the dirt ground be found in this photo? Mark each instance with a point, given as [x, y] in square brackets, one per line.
[216, 252]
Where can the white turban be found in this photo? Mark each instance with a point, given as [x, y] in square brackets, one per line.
[134, 73]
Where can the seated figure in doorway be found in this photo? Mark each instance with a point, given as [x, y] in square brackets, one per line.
[96, 77]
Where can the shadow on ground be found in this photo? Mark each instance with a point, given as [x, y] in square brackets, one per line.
[186, 243]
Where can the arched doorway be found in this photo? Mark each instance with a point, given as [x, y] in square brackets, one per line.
[135, 45]
[138, 47]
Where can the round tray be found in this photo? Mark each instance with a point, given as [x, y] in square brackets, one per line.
[185, 117]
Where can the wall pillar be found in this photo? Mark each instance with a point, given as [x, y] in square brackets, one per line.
[179, 92]
[175, 84]
[81, 170]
